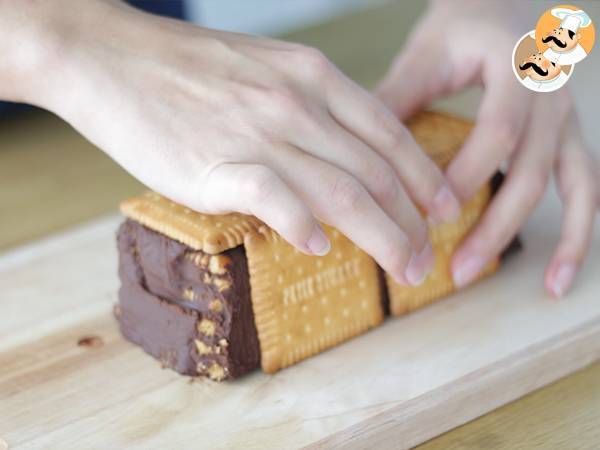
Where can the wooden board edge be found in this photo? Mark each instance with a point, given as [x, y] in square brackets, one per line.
[474, 394]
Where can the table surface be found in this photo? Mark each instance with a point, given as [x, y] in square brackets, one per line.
[51, 178]
[405, 382]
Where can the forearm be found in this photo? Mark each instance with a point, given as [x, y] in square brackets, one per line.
[26, 47]
[37, 36]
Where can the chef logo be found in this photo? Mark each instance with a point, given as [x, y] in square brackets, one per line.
[544, 58]
[534, 70]
[565, 34]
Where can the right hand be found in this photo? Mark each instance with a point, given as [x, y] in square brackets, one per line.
[225, 122]
[538, 134]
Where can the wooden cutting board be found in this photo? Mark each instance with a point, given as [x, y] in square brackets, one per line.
[405, 382]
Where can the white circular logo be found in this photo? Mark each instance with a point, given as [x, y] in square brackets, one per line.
[534, 70]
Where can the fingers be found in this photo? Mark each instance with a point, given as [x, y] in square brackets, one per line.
[339, 199]
[441, 68]
[332, 143]
[365, 118]
[523, 188]
[578, 186]
[255, 189]
[370, 121]
[500, 122]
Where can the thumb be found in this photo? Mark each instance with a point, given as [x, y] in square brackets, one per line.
[417, 76]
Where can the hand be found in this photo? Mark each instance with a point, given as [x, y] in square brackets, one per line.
[537, 133]
[225, 122]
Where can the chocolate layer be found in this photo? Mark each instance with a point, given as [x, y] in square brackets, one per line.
[188, 309]
[163, 329]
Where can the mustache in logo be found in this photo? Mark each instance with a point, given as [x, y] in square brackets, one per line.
[541, 72]
[555, 40]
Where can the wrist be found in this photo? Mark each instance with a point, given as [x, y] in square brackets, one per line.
[25, 48]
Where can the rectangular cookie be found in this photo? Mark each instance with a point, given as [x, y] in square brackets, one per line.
[444, 239]
[305, 304]
[442, 137]
[219, 296]
[221, 329]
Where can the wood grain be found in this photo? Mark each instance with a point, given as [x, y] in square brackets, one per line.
[428, 415]
[401, 384]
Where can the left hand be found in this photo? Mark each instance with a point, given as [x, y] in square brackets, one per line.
[537, 133]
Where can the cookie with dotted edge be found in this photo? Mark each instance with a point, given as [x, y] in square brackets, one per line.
[440, 135]
[444, 238]
[209, 233]
[304, 304]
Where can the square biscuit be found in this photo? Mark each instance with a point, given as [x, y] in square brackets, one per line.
[440, 135]
[305, 304]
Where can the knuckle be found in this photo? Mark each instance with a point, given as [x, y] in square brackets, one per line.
[293, 226]
[260, 185]
[575, 247]
[385, 185]
[347, 194]
[431, 182]
[421, 234]
[313, 60]
[204, 194]
[493, 232]
[284, 103]
[394, 134]
[536, 186]
[505, 134]
[284, 108]
[490, 235]
[257, 136]
[395, 257]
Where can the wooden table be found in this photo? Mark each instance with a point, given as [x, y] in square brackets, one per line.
[51, 178]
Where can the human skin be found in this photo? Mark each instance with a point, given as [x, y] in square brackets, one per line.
[225, 122]
[463, 43]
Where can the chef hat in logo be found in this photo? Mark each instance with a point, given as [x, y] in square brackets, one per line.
[572, 20]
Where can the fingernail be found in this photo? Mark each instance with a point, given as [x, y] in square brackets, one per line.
[467, 271]
[419, 266]
[563, 279]
[318, 244]
[447, 206]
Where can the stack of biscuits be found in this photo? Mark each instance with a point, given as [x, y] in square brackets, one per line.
[220, 296]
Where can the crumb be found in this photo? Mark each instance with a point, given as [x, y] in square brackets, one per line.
[90, 341]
